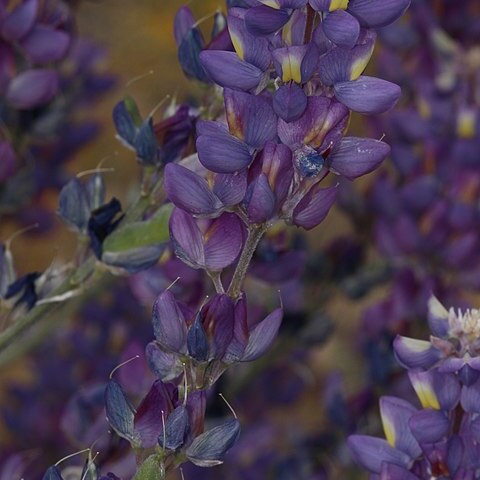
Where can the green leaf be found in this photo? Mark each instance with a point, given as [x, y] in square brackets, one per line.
[151, 469]
[153, 231]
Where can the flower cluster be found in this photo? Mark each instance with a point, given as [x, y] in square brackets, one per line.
[289, 86]
[440, 440]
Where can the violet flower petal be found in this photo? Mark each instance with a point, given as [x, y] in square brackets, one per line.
[20, 21]
[395, 414]
[371, 453]
[377, 13]
[187, 238]
[223, 153]
[250, 118]
[368, 95]
[341, 28]
[314, 207]
[209, 448]
[354, 157]
[189, 191]
[262, 336]
[228, 70]
[262, 20]
[32, 88]
[169, 324]
[120, 413]
[289, 102]
[45, 44]
[413, 353]
[223, 242]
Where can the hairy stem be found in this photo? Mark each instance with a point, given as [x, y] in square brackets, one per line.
[255, 233]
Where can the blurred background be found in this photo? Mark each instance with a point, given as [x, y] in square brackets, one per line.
[297, 406]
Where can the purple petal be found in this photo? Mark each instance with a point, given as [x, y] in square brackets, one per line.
[314, 207]
[276, 163]
[470, 398]
[263, 20]
[189, 191]
[148, 421]
[371, 453]
[429, 426]
[296, 63]
[187, 239]
[208, 127]
[341, 28]
[377, 13]
[176, 428]
[228, 70]
[239, 341]
[262, 336]
[223, 153]
[290, 102]
[354, 157]
[209, 448]
[437, 317]
[252, 49]
[169, 324]
[183, 23]
[328, 5]
[218, 320]
[260, 200]
[32, 88]
[223, 242]
[368, 95]
[20, 21]
[120, 413]
[317, 123]
[250, 118]
[230, 188]
[165, 366]
[343, 64]
[45, 44]
[440, 391]
[395, 414]
[413, 353]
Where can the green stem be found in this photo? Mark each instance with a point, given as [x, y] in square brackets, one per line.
[255, 234]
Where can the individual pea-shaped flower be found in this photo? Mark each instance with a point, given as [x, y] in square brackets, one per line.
[417, 441]
[141, 426]
[201, 196]
[251, 123]
[270, 180]
[208, 244]
[454, 346]
[342, 68]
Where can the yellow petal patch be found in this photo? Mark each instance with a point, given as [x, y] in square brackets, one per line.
[389, 430]
[271, 3]
[416, 346]
[338, 5]
[237, 45]
[436, 308]
[360, 64]
[291, 70]
[425, 394]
